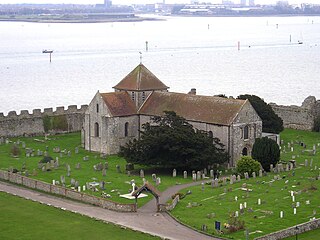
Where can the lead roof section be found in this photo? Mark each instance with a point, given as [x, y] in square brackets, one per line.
[140, 79]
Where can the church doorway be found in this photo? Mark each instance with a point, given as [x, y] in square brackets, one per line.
[245, 151]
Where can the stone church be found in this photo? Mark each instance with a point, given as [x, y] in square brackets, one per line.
[114, 118]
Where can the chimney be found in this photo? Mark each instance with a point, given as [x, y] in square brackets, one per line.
[193, 91]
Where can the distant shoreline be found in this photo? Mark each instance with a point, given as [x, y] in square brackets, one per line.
[93, 20]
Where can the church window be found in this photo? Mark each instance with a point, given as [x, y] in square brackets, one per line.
[97, 107]
[126, 129]
[96, 130]
[132, 96]
[246, 132]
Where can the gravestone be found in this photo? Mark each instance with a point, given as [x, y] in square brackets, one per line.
[69, 153]
[23, 145]
[27, 173]
[246, 175]
[205, 171]
[102, 185]
[259, 201]
[106, 165]
[78, 166]
[212, 183]
[34, 172]
[76, 150]
[141, 173]
[104, 172]
[198, 175]
[311, 162]
[260, 173]
[254, 174]
[72, 182]
[194, 177]
[287, 167]
[306, 162]
[62, 180]
[224, 181]
[202, 186]
[128, 173]
[76, 184]
[231, 179]
[154, 177]
[174, 173]
[238, 178]
[158, 181]
[68, 173]
[211, 173]
[48, 166]
[185, 174]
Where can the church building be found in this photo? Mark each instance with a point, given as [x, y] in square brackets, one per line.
[114, 118]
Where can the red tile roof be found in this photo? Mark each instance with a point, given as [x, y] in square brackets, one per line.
[140, 79]
[119, 103]
[215, 110]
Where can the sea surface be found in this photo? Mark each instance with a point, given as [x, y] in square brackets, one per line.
[184, 52]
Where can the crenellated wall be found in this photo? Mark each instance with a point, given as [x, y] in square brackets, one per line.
[29, 124]
[299, 117]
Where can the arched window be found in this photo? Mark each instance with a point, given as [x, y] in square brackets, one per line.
[97, 107]
[96, 130]
[245, 151]
[126, 129]
[210, 134]
[246, 132]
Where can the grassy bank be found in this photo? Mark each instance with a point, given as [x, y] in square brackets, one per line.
[24, 219]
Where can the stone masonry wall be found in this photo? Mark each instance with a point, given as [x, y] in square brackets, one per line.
[59, 190]
[292, 231]
[26, 124]
[299, 117]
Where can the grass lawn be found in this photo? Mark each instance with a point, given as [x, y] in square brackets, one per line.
[218, 204]
[116, 183]
[24, 219]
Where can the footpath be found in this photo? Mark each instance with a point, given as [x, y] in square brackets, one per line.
[144, 220]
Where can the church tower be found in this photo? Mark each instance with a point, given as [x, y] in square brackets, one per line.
[139, 84]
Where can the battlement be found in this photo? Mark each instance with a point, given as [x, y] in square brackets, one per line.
[37, 113]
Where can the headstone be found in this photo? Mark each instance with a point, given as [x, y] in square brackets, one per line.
[174, 173]
[246, 175]
[241, 206]
[260, 173]
[202, 186]
[224, 181]
[205, 171]
[293, 198]
[297, 204]
[236, 198]
[311, 162]
[79, 189]
[236, 214]
[48, 166]
[238, 178]
[154, 177]
[78, 166]
[27, 173]
[53, 182]
[102, 185]
[198, 175]
[281, 214]
[106, 165]
[141, 173]
[306, 162]
[287, 167]
[158, 181]
[128, 173]
[211, 173]
[76, 150]
[62, 179]
[231, 179]
[23, 145]
[118, 169]
[104, 172]
[72, 182]
[185, 174]
[68, 173]
[34, 173]
[271, 167]
[69, 153]
[194, 177]
[60, 154]
[76, 184]
[294, 211]
[259, 201]
[84, 188]
[254, 174]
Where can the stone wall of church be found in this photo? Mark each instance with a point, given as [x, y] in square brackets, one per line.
[247, 117]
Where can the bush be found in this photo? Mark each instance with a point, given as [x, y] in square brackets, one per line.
[247, 164]
[266, 151]
[57, 123]
[46, 159]
[316, 124]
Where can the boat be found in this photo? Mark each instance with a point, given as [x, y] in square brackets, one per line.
[47, 51]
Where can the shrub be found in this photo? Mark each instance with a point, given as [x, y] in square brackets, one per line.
[266, 151]
[247, 164]
[46, 159]
[59, 123]
[235, 224]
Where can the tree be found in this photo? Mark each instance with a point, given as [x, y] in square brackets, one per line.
[271, 122]
[170, 141]
[266, 151]
[247, 164]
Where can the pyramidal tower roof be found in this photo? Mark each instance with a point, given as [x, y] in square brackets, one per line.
[140, 79]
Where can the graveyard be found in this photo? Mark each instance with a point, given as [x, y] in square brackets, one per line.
[260, 204]
[75, 168]
[253, 205]
[52, 223]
